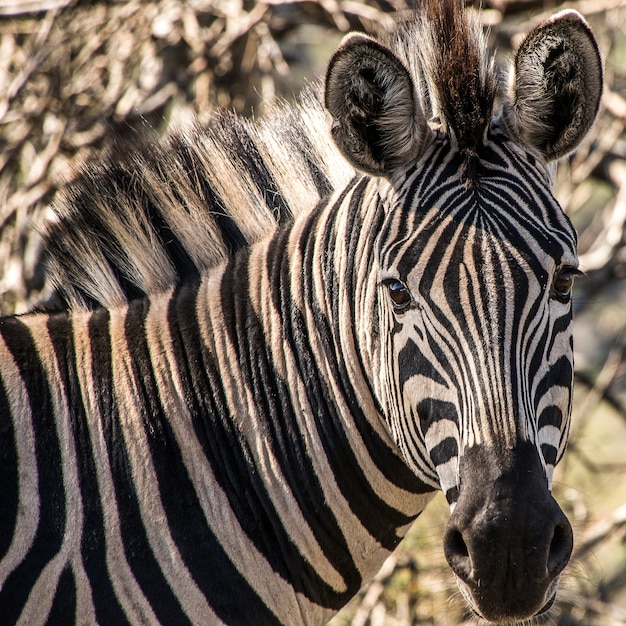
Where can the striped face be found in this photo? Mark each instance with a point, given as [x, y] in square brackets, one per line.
[475, 314]
[471, 349]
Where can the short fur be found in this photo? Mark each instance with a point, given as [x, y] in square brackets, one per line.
[251, 445]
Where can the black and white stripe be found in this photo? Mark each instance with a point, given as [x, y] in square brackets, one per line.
[198, 448]
[483, 270]
[266, 362]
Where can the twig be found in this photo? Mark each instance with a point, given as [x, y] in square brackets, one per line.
[601, 251]
[603, 381]
[599, 532]
[13, 8]
[607, 395]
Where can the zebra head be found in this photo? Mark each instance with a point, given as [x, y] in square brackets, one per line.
[471, 350]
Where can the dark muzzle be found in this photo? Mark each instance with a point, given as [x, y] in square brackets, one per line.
[507, 540]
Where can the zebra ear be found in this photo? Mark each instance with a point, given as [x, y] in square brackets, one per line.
[556, 85]
[377, 122]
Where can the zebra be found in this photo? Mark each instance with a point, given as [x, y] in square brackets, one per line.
[274, 341]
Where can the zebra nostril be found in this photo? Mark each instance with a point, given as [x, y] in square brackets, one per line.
[560, 548]
[457, 543]
[457, 553]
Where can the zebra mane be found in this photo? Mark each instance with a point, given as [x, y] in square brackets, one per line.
[156, 211]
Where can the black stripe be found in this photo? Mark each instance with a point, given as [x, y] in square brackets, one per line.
[515, 169]
[112, 186]
[561, 325]
[407, 262]
[93, 543]
[549, 453]
[63, 610]
[378, 517]
[278, 420]
[471, 312]
[243, 151]
[452, 495]
[412, 362]
[229, 231]
[159, 162]
[444, 451]
[230, 595]
[431, 411]
[140, 557]
[389, 462]
[8, 469]
[550, 416]
[71, 234]
[501, 198]
[559, 374]
[536, 363]
[305, 149]
[136, 547]
[51, 527]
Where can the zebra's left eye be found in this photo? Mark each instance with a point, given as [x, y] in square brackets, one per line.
[399, 294]
[564, 281]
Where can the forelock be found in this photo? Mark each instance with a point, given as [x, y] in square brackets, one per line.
[446, 50]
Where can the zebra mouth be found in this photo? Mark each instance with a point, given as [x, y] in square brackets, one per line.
[547, 606]
[504, 616]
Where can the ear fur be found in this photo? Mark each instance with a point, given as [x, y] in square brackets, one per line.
[556, 86]
[377, 121]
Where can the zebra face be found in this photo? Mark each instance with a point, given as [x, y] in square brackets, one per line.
[475, 295]
[476, 355]
[473, 357]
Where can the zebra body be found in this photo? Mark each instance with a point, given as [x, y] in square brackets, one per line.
[164, 386]
[243, 433]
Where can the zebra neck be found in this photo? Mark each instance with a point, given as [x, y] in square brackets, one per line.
[277, 330]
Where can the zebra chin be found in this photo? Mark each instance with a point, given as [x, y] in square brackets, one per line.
[509, 615]
[507, 540]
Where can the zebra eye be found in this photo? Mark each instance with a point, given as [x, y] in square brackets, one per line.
[399, 294]
[564, 281]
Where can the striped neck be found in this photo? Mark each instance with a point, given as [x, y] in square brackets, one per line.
[274, 372]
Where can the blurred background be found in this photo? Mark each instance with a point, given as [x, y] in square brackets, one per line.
[75, 74]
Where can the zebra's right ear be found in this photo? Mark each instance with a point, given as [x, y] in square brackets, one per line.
[556, 85]
[377, 121]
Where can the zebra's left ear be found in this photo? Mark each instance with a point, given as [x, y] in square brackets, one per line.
[377, 122]
[556, 85]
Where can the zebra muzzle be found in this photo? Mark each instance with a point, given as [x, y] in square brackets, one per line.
[507, 540]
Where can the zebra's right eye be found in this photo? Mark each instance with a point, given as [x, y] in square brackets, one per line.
[399, 294]
[564, 281]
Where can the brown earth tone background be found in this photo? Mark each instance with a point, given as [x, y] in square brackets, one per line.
[75, 74]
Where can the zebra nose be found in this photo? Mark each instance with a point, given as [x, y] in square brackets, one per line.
[507, 540]
[507, 568]
[463, 547]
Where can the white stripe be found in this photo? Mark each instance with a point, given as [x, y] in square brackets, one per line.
[276, 593]
[192, 600]
[43, 591]
[127, 591]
